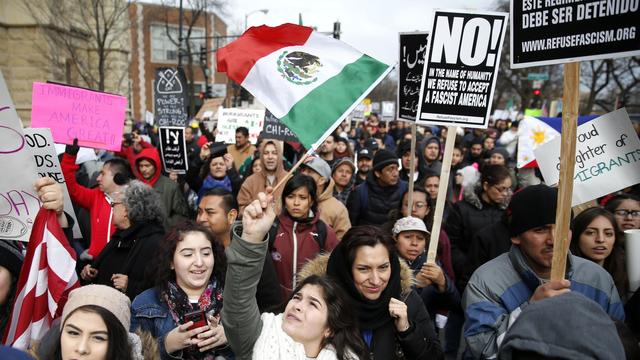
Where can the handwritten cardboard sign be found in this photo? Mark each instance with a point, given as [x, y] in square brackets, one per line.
[95, 118]
[413, 50]
[44, 153]
[231, 119]
[170, 96]
[607, 157]
[556, 32]
[173, 149]
[461, 68]
[19, 203]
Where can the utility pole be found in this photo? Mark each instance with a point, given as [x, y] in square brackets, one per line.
[180, 36]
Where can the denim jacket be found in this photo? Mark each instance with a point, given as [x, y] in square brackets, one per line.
[150, 314]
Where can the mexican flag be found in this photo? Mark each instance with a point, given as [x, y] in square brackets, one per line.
[309, 81]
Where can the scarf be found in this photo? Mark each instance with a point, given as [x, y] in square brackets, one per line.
[178, 302]
[211, 183]
[372, 314]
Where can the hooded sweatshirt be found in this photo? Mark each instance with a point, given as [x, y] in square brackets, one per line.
[174, 202]
[257, 183]
[333, 212]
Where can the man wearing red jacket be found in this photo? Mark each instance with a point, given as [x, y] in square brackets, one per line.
[97, 200]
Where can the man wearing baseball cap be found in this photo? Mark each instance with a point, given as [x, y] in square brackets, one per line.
[501, 288]
[365, 161]
[331, 210]
[371, 201]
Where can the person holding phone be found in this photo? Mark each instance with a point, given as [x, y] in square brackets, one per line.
[183, 309]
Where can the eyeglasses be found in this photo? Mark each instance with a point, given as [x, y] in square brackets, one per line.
[624, 213]
[113, 204]
[417, 205]
[502, 189]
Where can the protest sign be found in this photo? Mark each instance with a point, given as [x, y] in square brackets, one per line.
[460, 74]
[170, 97]
[413, 50]
[19, 203]
[40, 141]
[607, 157]
[274, 129]
[95, 118]
[148, 118]
[555, 32]
[358, 113]
[230, 119]
[173, 149]
[388, 110]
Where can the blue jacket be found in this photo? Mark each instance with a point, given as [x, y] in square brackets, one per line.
[499, 290]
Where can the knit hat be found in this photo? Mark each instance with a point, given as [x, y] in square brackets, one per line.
[384, 158]
[344, 160]
[532, 207]
[568, 326]
[409, 223]
[365, 153]
[10, 258]
[432, 139]
[500, 150]
[103, 296]
[318, 165]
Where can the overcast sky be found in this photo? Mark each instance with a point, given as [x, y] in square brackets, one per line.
[371, 26]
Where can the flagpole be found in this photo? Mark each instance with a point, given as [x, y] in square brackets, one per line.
[293, 169]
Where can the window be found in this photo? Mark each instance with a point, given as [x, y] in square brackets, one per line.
[164, 49]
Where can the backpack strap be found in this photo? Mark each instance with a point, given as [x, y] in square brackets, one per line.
[363, 191]
[273, 232]
[321, 234]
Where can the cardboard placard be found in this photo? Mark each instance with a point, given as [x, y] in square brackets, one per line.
[19, 203]
[95, 118]
[460, 73]
[274, 129]
[40, 141]
[170, 97]
[388, 110]
[413, 50]
[232, 118]
[554, 32]
[607, 157]
[173, 149]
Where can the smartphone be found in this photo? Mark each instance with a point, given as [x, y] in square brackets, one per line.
[198, 317]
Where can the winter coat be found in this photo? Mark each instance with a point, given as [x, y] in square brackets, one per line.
[381, 200]
[489, 243]
[130, 252]
[195, 180]
[499, 290]
[296, 239]
[257, 183]
[95, 201]
[130, 153]
[418, 342]
[333, 212]
[175, 205]
[466, 218]
[250, 334]
[240, 155]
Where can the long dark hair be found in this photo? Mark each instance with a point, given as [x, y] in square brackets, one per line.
[205, 169]
[298, 181]
[494, 174]
[118, 347]
[341, 318]
[164, 256]
[615, 262]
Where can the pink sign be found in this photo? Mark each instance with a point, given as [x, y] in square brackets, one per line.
[95, 118]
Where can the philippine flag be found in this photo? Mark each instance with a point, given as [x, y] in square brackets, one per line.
[535, 131]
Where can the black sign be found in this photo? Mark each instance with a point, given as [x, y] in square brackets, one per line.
[170, 89]
[413, 49]
[274, 129]
[460, 74]
[173, 149]
[547, 32]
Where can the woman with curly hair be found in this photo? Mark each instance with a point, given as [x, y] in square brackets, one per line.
[182, 311]
[138, 215]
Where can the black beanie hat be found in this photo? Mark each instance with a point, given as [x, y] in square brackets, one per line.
[10, 258]
[384, 158]
[532, 207]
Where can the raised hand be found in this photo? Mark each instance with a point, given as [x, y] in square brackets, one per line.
[257, 218]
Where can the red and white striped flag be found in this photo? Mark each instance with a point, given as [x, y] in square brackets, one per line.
[47, 276]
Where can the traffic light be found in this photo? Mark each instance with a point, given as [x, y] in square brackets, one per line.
[536, 92]
[336, 30]
[536, 101]
[209, 92]
[201, 95]
[203, 55]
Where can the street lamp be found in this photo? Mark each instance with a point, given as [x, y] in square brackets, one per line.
[264, 11]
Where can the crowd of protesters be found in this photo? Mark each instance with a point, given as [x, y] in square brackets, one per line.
[222, 262]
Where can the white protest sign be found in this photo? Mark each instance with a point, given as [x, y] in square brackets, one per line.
[40, 141]
[231, 119]
[148, 117]
[19, 203]
[607, 157]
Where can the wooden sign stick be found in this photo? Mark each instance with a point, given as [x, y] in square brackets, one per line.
[442, 193]
[293, 169]
[570, 101]
[412, 167]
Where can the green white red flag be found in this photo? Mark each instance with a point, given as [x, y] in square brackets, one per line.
[308, 80]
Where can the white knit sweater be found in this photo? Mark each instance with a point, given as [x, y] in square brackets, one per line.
[274, 343]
